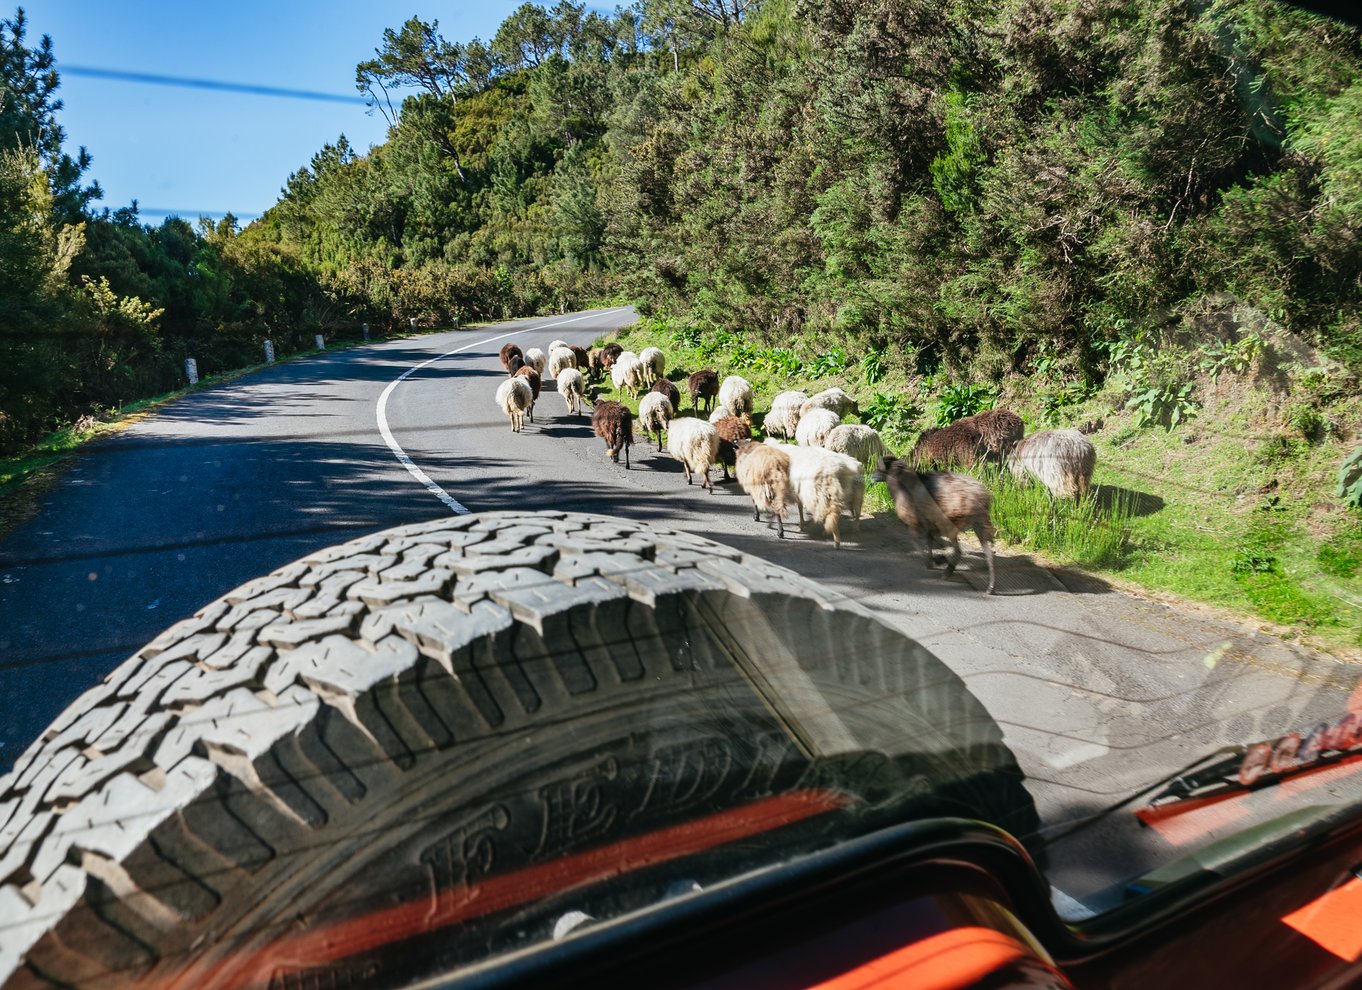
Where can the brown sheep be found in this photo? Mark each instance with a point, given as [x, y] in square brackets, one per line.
[507, 352]
[672, 393]
[1000, 430]
[732, 431]
[531, 376]
[609, 354]
[582, 356]
[939, 506]
[703, 385]
[948, 446]
[614, 423]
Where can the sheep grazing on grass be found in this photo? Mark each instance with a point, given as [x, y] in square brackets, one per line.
[732, 432]
[537, 360]
[572, 388]
[826, 485]
[614, 423]
[513, 398]
[654, 413]
[560, 358]
[998, 429]
[695, 444]
[609, 354]
[1063, 461]
[654, 361]
[940, 506]
[703, 385]
[855, 440]
[736, 394]
[764, 473]
[783, 419]
[581, 356]
[673, 394]
[948, 446]
[507, 352]
[719, 412]
[593, 363]
[832, 399]
[628, 374]
[814, 427]
[531, 376]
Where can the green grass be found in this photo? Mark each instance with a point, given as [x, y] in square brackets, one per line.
[1234, 509]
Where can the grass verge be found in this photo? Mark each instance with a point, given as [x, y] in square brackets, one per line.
[1234, 508]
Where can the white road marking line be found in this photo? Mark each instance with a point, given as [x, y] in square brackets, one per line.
[381, 410]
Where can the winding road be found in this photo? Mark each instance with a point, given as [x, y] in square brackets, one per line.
[1099, 693]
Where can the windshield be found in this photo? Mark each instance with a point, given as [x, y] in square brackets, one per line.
[592, 456]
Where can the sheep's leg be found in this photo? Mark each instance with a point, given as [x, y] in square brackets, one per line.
[930, 545]
[955, 557]
[833, 526]
[626, 457]
[686, 467]
[987, 546]
[706, 484]
[780, 525]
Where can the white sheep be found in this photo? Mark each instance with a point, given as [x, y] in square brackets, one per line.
[833, 399]
[736, 394]
[514, 397]
[720, 412]
[537, 360]
[628, 374]
[556, 344]
[654, 413]
[572, 387]
[783, 419]
[1063, 460]
[695, 444]
[814, 426]
[654, 363]
[560, 358]
[826, 484]
[855, 440]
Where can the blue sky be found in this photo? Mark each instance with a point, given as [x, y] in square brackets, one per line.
[192, 150]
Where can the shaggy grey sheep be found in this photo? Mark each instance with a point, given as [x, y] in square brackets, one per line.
[513, 398]
[572, 387]
[736, 394]
[783, 419]
[814, 426]
[654, 363]
[695, 444]
[1063, 460]
[855, 440]
[654, 413]
[832, 399]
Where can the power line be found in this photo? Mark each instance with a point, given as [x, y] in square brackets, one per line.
[120, 75]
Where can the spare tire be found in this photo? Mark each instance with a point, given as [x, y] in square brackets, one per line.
[386, 730]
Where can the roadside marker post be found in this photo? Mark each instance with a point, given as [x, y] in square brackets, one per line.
[269, 352]
[321, 344]
[364, 328]
[191, 370]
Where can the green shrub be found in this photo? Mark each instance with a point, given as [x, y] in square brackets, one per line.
[956, 401]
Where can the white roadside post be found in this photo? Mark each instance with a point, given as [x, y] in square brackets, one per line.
[364, 328]
[191, 370]
[321, 344]
[413, 324]
[269, 352]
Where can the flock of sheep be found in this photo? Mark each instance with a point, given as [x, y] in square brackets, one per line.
[823, 473]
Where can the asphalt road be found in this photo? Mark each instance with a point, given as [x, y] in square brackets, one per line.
[1099, 693]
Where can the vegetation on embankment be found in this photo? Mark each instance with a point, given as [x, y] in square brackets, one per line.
[1225, 494]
